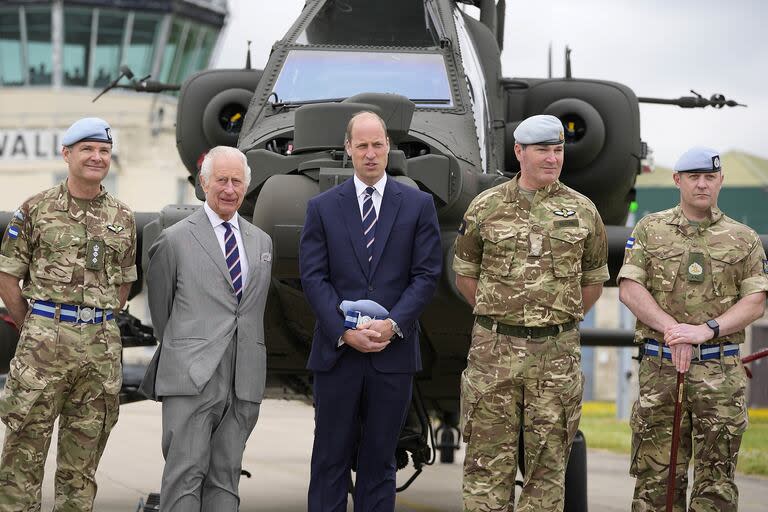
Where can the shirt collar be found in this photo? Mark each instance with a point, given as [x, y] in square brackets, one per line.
[679, 218]
[513, 189]
[218, 221]
[360, 186]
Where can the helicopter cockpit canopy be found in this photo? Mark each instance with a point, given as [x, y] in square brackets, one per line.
[310, 75]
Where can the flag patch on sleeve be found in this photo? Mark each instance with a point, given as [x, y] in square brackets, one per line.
[630, 243]
[463, 227]
[13, 232]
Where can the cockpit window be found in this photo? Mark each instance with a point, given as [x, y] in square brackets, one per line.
[310, 75]
[370, 23]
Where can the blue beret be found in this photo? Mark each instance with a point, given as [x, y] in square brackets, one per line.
[699, 159]
[541, 129]
[88, 128]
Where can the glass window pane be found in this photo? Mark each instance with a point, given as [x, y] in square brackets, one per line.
[206, 48]
[141, 50]
[10, 48]
[187, 55]
[170, 49]
[77, 39]
[39, 45]
[310, 75]
[109, 41]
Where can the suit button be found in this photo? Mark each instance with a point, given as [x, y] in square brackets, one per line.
[370, 287]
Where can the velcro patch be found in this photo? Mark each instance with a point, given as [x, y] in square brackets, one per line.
[566, 223]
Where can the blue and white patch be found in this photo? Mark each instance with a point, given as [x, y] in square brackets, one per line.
[13, 232]
[630, 243]
[18, 215]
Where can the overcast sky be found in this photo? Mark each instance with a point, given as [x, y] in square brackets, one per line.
[659, 49]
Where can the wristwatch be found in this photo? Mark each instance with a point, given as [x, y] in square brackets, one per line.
[396, 328]
[712, 324]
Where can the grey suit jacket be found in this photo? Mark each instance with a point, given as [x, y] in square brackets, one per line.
[195, 312]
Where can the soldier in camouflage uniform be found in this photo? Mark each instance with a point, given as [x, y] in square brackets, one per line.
[74, 247]
[531, 257]
[694, 278]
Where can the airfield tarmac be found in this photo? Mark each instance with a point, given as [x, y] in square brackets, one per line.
[278, 454]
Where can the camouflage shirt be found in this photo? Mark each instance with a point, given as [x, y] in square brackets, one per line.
[531, 259]
[45, 245]
[694, 273]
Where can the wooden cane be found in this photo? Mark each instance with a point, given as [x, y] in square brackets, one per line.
[675, 442]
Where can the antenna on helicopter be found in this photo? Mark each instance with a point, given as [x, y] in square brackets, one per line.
[549, 61]
[248, 56]
[568, 62]
[696, 101]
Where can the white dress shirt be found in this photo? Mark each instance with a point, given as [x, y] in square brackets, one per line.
[219, 230]
[378, 194]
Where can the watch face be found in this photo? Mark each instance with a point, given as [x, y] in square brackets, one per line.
[713, 324]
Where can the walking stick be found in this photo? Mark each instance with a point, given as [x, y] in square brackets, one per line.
[753, 357]
[675, 442]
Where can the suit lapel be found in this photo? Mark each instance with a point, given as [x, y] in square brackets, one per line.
[350, 212]
[251, 251]
[203, 233]
[390, 205]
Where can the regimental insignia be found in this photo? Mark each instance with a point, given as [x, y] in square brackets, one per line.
[18, 215]
[630, 243]
[94, 251]
[695, 269]
[266, 256]
[13, 232]
[716, 162]
[115, 228]
[565, 212]
[562, 135]
[463, 227]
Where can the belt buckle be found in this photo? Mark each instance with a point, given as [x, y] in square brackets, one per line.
[86, 314]
[696, 353]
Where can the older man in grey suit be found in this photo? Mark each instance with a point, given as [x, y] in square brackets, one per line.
[208, 277]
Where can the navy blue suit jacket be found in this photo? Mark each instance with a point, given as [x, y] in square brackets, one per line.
[402, 275]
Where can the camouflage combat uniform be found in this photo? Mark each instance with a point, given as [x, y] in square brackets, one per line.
[531, 261]
[694, 274]
[65, 369]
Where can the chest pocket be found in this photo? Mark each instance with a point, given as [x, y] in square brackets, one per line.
[567, 246]
[57, 257]
[498, 250]
[664, 265]
[726, 269]
[117, 247]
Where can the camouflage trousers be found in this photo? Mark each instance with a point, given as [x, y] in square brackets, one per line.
[59, 370]
[714, 417]
[512, 383]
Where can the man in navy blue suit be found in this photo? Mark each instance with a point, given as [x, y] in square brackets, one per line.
[368, 238]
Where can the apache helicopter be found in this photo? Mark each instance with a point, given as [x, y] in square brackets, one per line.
[433, 73]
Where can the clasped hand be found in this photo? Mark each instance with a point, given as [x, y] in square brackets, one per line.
[373, 336]
[681, 338]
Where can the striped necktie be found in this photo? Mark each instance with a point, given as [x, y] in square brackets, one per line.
[369, 221]
[232, 255]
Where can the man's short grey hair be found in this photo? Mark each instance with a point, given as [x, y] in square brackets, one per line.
[351, 123]
[206, 169]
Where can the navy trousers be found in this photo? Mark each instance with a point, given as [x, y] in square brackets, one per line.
[357, 406]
